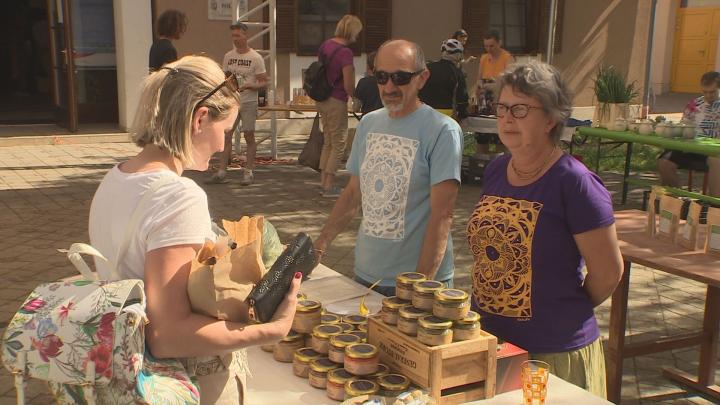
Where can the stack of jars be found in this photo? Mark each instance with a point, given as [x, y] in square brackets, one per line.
[434, 314]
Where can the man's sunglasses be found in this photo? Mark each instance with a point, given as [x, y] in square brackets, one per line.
[230, 80]
[399, 78]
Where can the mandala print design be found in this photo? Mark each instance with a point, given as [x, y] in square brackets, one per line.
[500, 233]
[384, 181]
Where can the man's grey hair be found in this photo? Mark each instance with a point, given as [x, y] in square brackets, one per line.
[544, 82]
[417, 50]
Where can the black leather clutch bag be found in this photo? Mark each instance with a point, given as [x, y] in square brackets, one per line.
[267, 294]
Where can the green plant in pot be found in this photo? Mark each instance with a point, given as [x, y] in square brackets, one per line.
[614, 96]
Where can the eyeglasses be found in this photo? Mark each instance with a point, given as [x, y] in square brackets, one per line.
[399, 78]
[230, 80]
[517, 110]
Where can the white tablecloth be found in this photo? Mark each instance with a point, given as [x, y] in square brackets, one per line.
[274, 383]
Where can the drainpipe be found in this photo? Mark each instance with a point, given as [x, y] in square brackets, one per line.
[648, 62]
[550, 51]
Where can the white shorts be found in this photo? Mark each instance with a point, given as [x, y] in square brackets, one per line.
[248, 115]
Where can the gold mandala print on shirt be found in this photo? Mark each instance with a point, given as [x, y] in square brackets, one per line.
[500, 233]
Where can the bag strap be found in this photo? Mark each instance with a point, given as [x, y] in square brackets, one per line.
[332, 55]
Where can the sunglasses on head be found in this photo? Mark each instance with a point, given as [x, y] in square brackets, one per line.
[230, 81]
[399, 78]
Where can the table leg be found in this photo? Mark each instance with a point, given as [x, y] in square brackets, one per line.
[705, 381]
[616, 338]
[626, 174]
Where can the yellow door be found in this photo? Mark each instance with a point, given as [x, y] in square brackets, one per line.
[696, 36]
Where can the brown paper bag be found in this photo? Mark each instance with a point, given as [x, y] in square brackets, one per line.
[221, 277]
[687, 238]
[712, 241]
[670, 208]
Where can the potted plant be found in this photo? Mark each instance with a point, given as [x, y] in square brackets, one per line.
[613, 94]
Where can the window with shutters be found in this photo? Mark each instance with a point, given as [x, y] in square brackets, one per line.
[508, 18]
[316, 21]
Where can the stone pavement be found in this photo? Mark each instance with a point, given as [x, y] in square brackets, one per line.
[45, 195]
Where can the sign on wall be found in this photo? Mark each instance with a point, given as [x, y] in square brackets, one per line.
[222, 9]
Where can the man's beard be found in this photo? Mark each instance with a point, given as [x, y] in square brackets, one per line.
[393, 106]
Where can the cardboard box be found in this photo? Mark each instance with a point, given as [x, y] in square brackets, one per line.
[509, 367]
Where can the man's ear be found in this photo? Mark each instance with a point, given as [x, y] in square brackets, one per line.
[423, 78]
[200, 115]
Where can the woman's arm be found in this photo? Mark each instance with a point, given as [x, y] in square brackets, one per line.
[175, 331]
[599, 248]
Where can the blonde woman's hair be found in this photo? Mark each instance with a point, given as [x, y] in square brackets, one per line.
[348, 28]
[170, 98]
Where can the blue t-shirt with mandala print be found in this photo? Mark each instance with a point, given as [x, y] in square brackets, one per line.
[397, 161]
[527, 277]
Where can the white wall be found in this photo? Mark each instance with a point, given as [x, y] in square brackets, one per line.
[703, 3]
[427, 22]
[663, 40]
[133, 38]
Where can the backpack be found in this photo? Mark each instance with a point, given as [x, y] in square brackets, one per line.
[315, 80]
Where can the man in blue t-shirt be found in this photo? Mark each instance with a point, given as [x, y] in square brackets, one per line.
[405, 166]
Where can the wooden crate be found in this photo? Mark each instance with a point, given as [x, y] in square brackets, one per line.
[454, 373]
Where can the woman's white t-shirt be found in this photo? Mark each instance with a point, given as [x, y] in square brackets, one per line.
[176, 214]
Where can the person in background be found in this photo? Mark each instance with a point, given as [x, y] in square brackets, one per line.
[543, 234]
[492, 64]
[171, 25]
[366, 91]
[704, 113]
[333, 111]
[184, 111]
[249, 67]
[446, 90]
[462, 36]
[405, 174]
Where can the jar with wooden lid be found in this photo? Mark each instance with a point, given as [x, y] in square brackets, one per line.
[355, 320]
[424, 294]
[467, 328]
[390, 308]
[407, 319]
[381, 371]
[434, 331]
[361, 334]
[404, 284]
[361, 358]
[336, 379]
[338, 343]
[451, 303]
[284, 350]
[319, 369]
[302, 359]
[307, 315]
[331, 319]
[321, 337]
[355, 388]
[392, 385]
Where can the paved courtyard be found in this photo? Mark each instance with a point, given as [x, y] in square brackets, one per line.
[45, 195]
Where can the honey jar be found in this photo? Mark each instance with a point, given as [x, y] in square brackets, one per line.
[404, 284]
[390, 308]
[424, 294]
[302, 359]
[331, 319]
[336, 379]
[434, 331]
[319, 369]
[392, 385]
[361, 358]
[321, 337]
[338, 343]
[355, 388]
[407, 319]
[451, 303]
[362, 327]
[307, 316]
[381, 371]
[284, 350]
[355, 320]
[467, 328]
[346, 327]
[361, 334]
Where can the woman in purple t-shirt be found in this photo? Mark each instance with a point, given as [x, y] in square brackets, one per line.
[333, 111]
[541, 218]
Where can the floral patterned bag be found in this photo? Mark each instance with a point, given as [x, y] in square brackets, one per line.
[86, 338]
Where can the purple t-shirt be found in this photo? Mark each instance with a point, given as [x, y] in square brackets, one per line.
[527, 276]
[342, 58]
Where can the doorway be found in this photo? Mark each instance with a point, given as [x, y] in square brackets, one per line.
[26, 85]
[695, 48]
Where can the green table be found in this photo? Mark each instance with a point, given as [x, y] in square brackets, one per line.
[702, 146]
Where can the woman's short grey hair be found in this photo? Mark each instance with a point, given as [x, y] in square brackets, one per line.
[169, 100]
[544, 82]
[417, 50]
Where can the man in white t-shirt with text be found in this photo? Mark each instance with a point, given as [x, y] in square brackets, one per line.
[249, 68]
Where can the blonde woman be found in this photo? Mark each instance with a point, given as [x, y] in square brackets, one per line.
[185, 110]
[333, 111]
